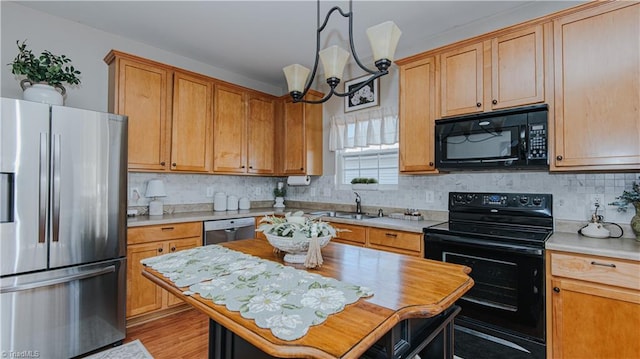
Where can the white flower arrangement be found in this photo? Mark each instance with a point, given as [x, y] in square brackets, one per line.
[296, 226]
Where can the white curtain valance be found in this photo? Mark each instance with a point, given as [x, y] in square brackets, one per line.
[364, 128]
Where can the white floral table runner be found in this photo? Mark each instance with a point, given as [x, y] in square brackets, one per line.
[283, 299]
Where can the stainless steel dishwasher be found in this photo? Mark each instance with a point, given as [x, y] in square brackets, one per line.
[227, 230]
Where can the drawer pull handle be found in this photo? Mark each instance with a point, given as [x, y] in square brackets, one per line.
[167, 228]
[173, 249]
[556, 289]
[159, 250]
[391, 235]
[603, 264]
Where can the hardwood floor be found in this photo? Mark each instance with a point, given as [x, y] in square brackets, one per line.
[181, 335]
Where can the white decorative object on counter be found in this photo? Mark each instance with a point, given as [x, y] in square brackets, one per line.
[244, 203]
[296, 250]
[220, 202]
[155, 189]
[279, 202]
[232, 203]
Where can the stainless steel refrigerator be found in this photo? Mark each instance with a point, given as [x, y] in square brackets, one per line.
[63, 185]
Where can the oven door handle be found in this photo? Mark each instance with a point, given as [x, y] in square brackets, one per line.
[514, 248]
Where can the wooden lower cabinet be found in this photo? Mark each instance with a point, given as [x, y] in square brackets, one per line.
[144, 298]
[595, 307]
[396, 241]
[379, 238]
[350, 234]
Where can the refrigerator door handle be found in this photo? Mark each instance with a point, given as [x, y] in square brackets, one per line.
[50, 282]
[55, 188]
[42, 220]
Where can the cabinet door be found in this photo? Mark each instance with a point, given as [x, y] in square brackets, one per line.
[417, 116]
[313, 132]
[351, 234]
[396, 241]
[594, 321]
[461, 82]
[143, 295]
[597, 82]
[517, 68]
[261, 135]
[142, 94]
[229, 130]
[294, 140]
[191, 128]
[175, 246]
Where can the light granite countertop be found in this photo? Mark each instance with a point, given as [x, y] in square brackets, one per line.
[378, 222]
[620, 248]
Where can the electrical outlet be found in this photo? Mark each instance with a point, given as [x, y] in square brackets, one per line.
[312, 192]
[210, 191]
[429, 196]
[257, 192]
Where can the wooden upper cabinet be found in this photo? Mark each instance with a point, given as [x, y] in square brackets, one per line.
[504, 71]
[244, 131]
[461, 85]
[230, 130]
[517, 68]
[294, 145]
[301, 148]
[261, 135]
[417, 116]
[191, 130]
[141, 90]
[597, 89]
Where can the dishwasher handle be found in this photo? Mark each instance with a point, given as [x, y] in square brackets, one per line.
[223, 224]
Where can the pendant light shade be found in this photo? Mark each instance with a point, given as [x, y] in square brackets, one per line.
[296, 76]
[334, 59]
[384, 39]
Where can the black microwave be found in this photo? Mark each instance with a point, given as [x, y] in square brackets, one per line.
[506, 139]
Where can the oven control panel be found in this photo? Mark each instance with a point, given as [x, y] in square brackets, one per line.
[461, 200]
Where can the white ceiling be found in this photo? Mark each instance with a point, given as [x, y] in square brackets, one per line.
[257, 38]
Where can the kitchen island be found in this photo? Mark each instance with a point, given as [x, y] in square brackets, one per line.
[411, 311]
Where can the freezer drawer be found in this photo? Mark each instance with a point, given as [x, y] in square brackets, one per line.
[63, 313]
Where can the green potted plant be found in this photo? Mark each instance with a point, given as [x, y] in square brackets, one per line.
[279, 192]
[630, 197]
[363, 183]
[44, 74]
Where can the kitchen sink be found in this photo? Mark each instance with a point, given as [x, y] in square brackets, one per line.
[346, 215]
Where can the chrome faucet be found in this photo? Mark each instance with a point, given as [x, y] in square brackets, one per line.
[358, 206]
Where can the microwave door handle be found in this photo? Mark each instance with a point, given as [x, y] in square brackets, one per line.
[523, 143]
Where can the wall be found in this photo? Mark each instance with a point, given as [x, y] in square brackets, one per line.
[86, 47]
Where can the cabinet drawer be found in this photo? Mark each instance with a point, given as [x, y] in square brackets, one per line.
[596, 269]
[355, 234]
[396, 241]
[163, 232]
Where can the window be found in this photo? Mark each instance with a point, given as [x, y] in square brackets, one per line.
[378, 161]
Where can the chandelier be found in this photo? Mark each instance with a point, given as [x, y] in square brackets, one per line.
[383, 39]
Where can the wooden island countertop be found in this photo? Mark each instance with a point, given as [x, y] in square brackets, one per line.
[404, 287]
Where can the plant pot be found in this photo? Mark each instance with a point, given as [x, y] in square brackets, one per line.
[42, 92]
[279, 202]
[364, 186]
[635, 222]
[296, 250]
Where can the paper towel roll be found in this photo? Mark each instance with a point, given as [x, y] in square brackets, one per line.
[298, 180]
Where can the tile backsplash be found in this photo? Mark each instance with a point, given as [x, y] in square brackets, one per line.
[571, 191]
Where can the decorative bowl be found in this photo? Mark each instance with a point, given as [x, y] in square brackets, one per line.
[295, 249]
